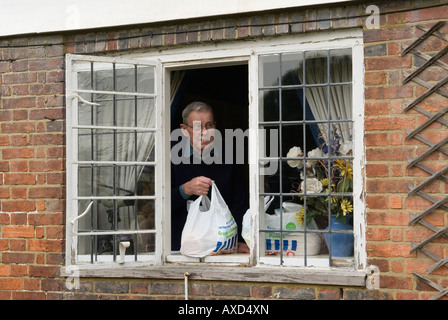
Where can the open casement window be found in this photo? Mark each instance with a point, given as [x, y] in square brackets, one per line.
[113, 187]
[305, 158]
[306, 161]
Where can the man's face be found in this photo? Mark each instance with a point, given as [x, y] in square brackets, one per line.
[200, 127]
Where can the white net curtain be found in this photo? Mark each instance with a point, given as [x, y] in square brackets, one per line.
[116, 137]
[332, 102]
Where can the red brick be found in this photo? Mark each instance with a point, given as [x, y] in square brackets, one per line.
[16, 78]
[388, 92]
[4, 245]
[20, 178]
[45, 166]
[385, 63]
[377, 202]
[46, 245]
[16, 153]
[424, 14]
[19, 140]
[4, 192]
[4, 218]
[388, 34]
[46, 219]
[43, 271]
[19, 165]
[5, 270]
[18, 232]
[391, 282]
[377, 170]
[48, 64]
[55, 232]
[47, 139]
[376, 108]
[17, 245]
[46, 192]
[389, 154]
[18, 206]
[389, 250]
[389, 218]
[28, 295]
[376, 139]
[387, 186]
[395, 202]
[377, 234]
[4, 140]
[19, 218]
[375, 78]
[10, 284]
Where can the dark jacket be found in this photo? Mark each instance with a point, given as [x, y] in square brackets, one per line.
[228, 179]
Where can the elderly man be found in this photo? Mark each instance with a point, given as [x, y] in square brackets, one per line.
[193, 175]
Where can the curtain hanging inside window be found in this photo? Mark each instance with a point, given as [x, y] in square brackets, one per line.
[121, 145]
[335, 103]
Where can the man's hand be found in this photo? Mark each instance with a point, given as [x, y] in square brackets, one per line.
[243, 248]
[197, 186]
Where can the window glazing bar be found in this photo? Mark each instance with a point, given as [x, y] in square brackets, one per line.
[132, 129]
[297, 122]
[116, 93]
[301, 86]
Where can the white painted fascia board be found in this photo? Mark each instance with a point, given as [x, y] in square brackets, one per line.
[43, 16]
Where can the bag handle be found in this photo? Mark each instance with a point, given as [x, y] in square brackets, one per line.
[217, 198]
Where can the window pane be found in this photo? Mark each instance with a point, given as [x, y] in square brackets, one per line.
[341, 102]
[317, 99]
[145, 79]
[114, 145]
[291, 64]
[316, 67]
[293, 135]
[125, 78]
[269, 70]
[103, 76]
[85, 145]
[122, 111]
[115, 180]
[146, 113]
[85, 78]
[269, 176]
[312, 180]
[340, 66]
[292, 109]
[146, 181]
[269, 105]
[105, 248]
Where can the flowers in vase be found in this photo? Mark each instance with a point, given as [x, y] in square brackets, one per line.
[324, 179]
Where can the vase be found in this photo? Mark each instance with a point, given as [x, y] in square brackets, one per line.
[341, 243]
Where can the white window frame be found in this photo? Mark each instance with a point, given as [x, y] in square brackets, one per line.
[72, 127]
[247, 52]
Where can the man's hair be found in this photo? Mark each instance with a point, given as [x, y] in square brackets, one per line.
[196, 106]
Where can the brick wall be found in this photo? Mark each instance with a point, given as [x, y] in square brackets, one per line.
[32, 154]
[388, 234]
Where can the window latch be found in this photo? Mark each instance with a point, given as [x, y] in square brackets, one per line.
[123, 246]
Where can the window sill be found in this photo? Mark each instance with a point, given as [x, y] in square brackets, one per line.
[176, 271]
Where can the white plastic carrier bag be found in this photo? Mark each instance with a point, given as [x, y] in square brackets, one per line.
[209, 230]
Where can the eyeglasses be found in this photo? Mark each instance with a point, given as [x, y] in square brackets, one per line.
[207, 126]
